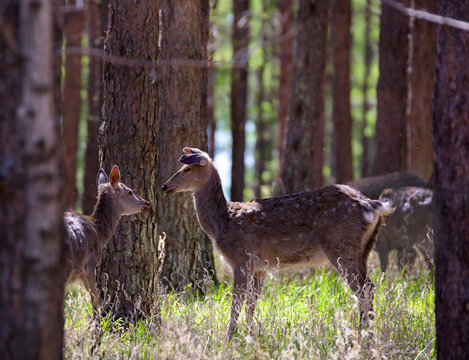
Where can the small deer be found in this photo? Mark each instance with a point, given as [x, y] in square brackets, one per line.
[86, 236]
[408, 227]
[335, 223]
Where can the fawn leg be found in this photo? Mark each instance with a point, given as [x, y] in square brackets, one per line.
[237, 301]
[252, 296]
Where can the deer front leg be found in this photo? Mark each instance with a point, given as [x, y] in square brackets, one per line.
[237, 301]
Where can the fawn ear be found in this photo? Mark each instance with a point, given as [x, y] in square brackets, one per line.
[115, 177]
[191, 159]
[101, 179]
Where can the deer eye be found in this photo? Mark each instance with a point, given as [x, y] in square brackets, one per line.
[187, 169]
[130, 192]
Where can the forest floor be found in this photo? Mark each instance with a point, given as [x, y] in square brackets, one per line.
[311, 315]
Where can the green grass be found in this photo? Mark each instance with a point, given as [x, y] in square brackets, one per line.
[310, 315]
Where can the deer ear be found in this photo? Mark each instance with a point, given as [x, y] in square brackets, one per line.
[115, 176]
[101, 178]
[193, 159]
[189, 150]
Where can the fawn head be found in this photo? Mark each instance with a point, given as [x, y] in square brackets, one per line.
[194, 173]
[126, 201]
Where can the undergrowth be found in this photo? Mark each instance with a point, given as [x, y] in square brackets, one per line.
[306, 316]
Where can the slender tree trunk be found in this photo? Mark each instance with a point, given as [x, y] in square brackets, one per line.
[212, 124]
[285, 54]
[341, 116]
[239, 90]
[260, 132]
[451, 149]
[422, 77]
[128, 137]
[31, 208]
[182, 121]
[96, 29]
[390, 137]
[365, 158]
[301, 166]
[74, 29]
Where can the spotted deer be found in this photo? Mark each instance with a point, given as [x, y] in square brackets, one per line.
[86, 236]
[335, 223]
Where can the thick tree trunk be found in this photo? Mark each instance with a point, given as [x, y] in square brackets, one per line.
[341, 116]
[31, 208]
[451, 150]
[365, 158]
[301, 164]
[128, 137]
[285, 54]
[74, 28]
[182, 121]
[390, 137]
[96, 29]
[420, 133]
[239, 90]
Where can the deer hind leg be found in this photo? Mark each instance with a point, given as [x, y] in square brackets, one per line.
[239, 295]
[351, 264]
[90, 284]
[253, 293]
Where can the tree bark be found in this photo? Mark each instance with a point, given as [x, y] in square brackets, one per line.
[365, 158]
[390, 136]
[419, 143]
[341, 116]
[451, 151]
[239, 89]
[182, 121]
[285, 54]
[96, 28]
[31, 207]
[128, 138]
[74, 29]
[301, 164]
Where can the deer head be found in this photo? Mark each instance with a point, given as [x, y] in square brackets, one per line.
[193, 174]
[123, 197]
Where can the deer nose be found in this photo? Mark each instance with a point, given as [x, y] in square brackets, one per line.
[164, 187]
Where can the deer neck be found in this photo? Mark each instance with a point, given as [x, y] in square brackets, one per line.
[106, 217]
[211, 205]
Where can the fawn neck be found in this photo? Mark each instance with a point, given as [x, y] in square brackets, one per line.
[106, 217]
[211, 205]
